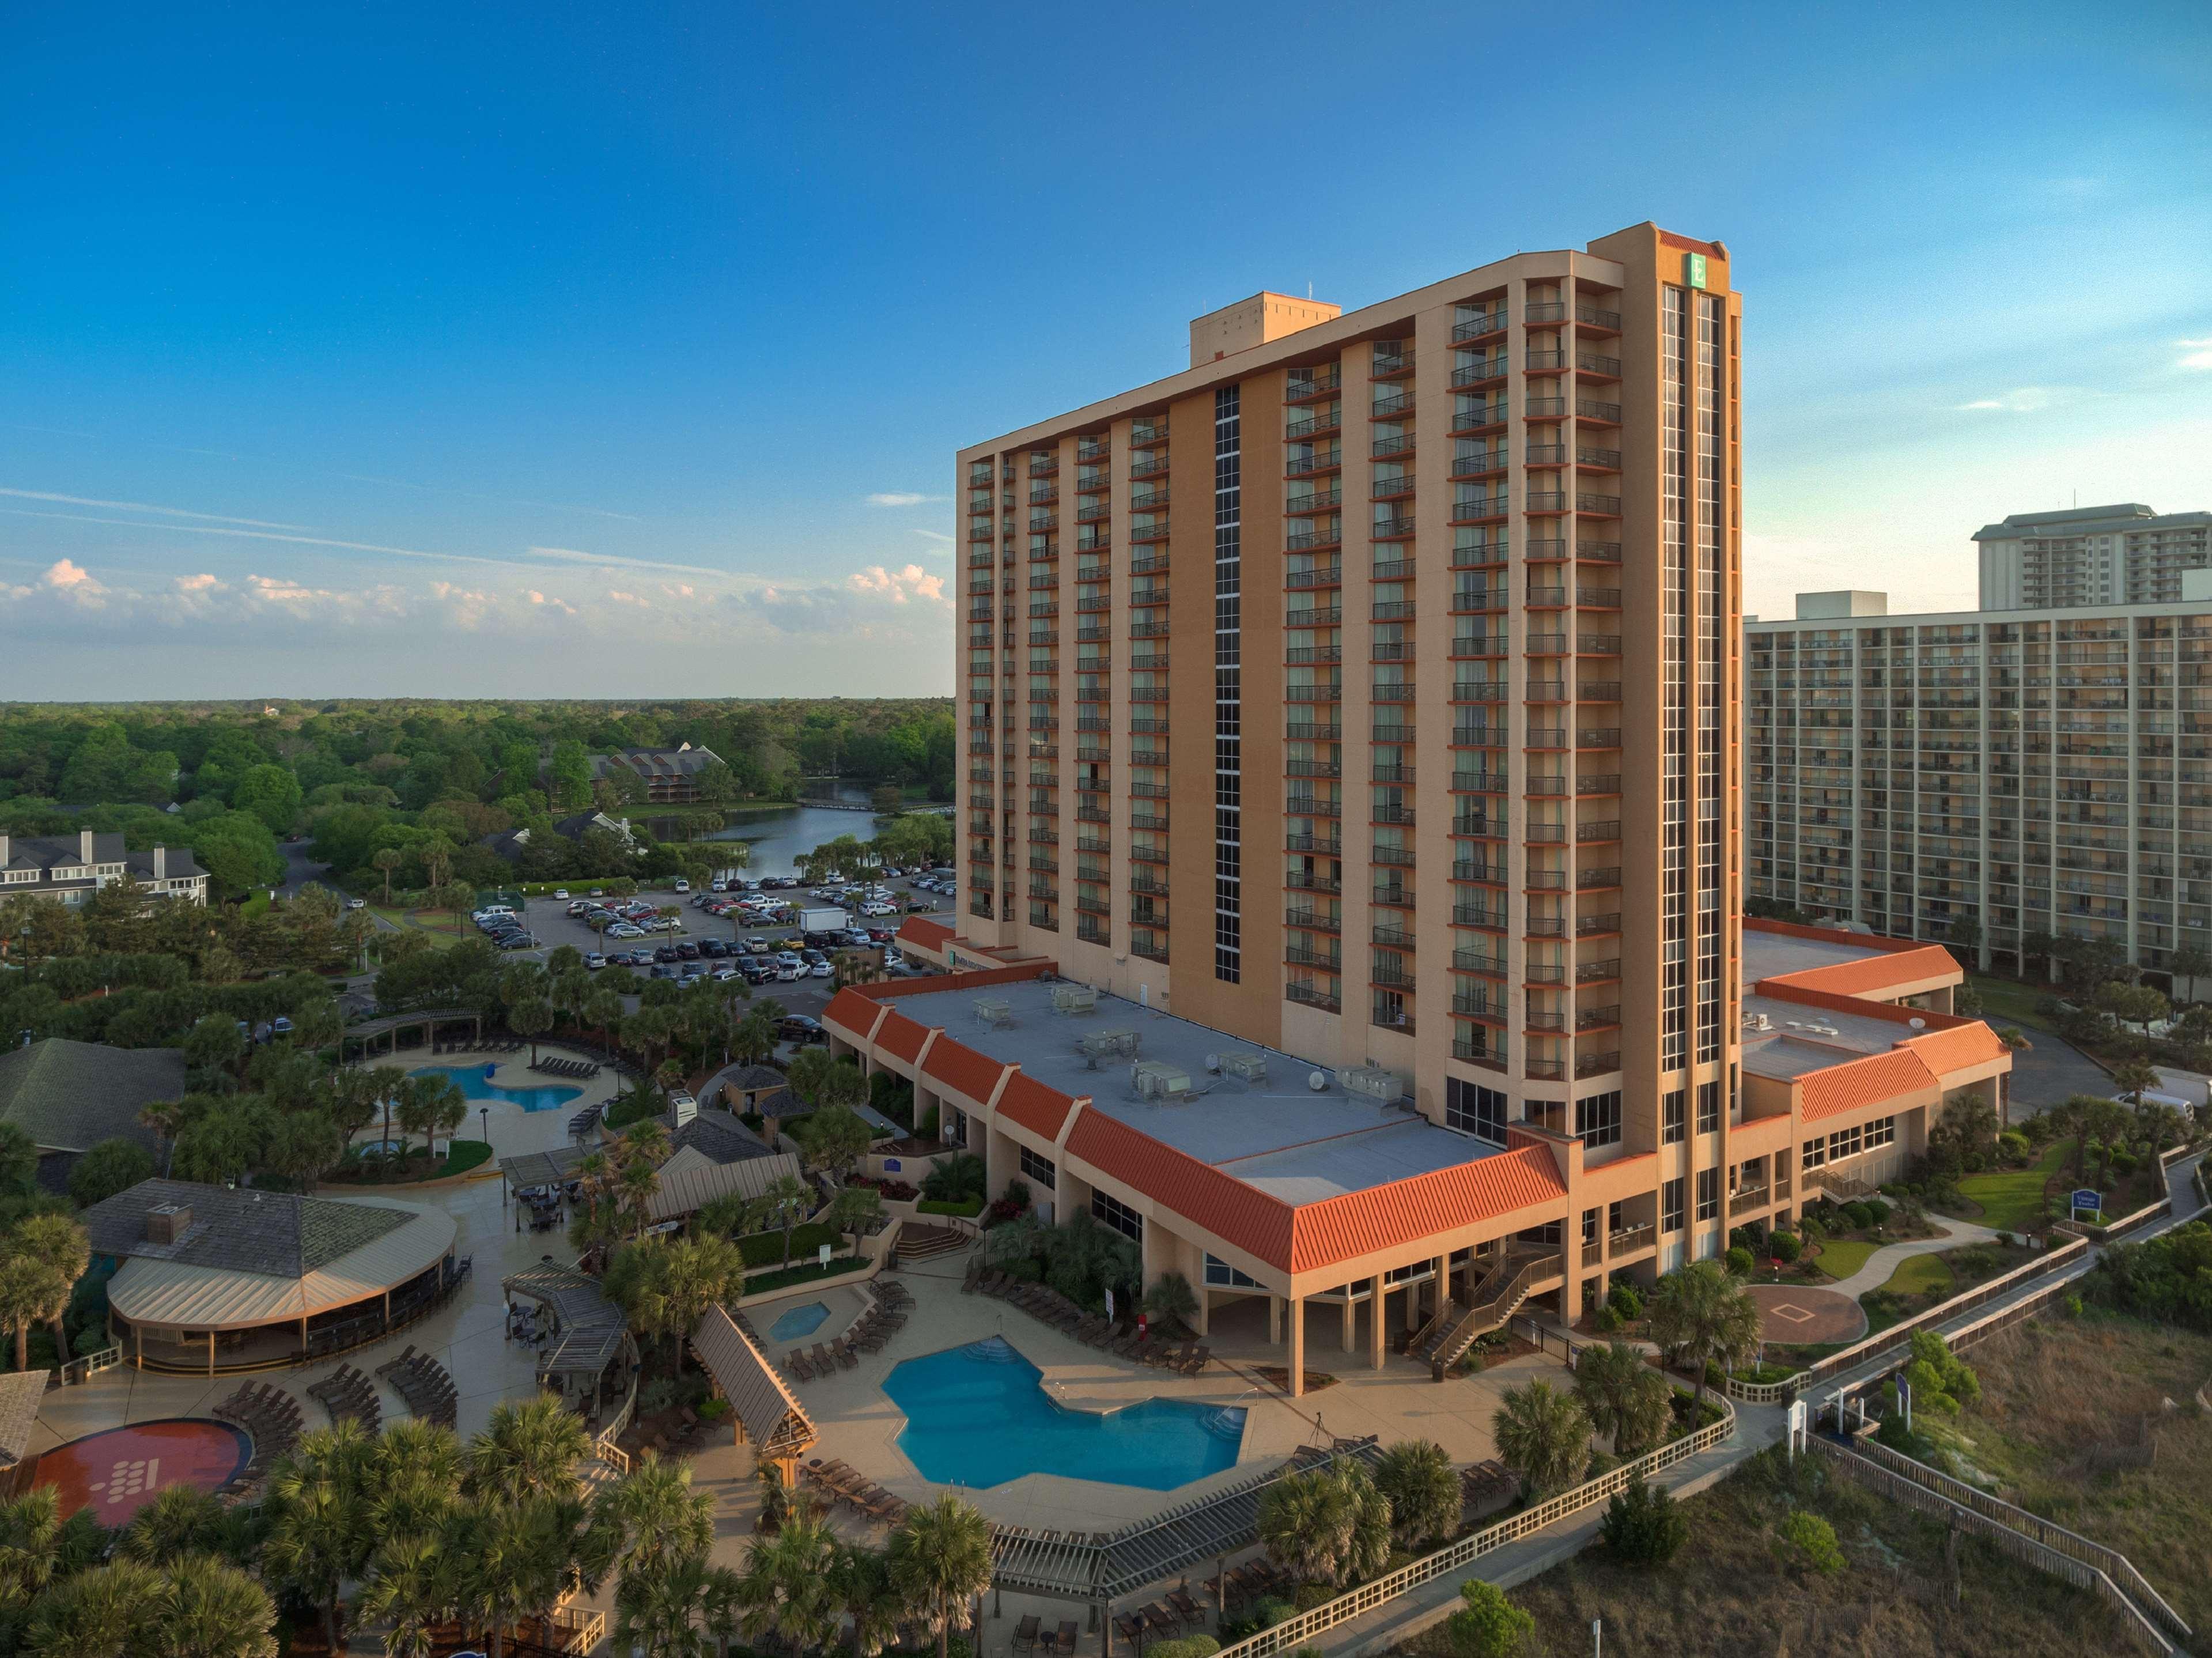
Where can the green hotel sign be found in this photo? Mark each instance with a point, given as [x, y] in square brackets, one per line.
[1693, 269]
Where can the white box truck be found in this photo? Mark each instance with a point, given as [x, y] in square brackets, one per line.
[822, 919]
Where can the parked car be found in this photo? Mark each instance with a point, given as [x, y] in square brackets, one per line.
[683, 886]
[560, 891]
[518, 942]
[357, 904]
[798, 1027]
[688, 951]
[595, 961]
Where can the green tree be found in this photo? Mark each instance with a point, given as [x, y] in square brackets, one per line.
[210, 1609]
[1418, 1475]
[652, 1517]
[1700, 1315]
[1328, 1525]
[786, 1201]
[271, 794]
[302, 1146]
[1806, 1540]
[529, 1450]
[835, 1137]
[113, 1608]
[1625, 1399]
[1170, 1299]
[1642, 1527]
[1543, 1434]
[939, 1559]
[853, 1210]
[411, 1589]
[111, 1166]
[1487, 1625]
[319, 1536]
[19, 1161]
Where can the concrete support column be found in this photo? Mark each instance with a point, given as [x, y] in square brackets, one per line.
[1351, 1319]
[1441, 1285]
[1297, 1357]
[1205, 1306]
[1274, 1320]
[1378, 1306]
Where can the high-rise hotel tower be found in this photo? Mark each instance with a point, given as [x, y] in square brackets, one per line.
[1370, 689]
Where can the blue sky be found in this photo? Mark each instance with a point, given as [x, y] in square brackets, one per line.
[478, 350]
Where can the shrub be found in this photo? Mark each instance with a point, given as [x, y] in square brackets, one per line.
[1488, 1626]
[1739, 1262]
[1805, 1540]
[1605, 1321]
[1626, 1299]
[966, 1208]
[1785, 1247]
[1940, 1380]
[765, 1248]
[714, 1410]
[1269, 1611]
[1642, 1527]
[1857, 1216]
[2012, 1146]
[1190, 1645]
[1877, 1212]
[955, 1178]
[1311, 1595]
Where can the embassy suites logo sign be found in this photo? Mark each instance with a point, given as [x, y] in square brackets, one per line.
[1693, 269]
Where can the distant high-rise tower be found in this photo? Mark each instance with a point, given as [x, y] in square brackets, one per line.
[2120, 555]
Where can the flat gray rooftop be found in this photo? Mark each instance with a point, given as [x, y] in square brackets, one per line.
[1770, 955]
[1278, 1135]
[1800, 1039]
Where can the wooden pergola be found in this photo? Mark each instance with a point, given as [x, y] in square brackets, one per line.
[427, 1020]
[766, 1413]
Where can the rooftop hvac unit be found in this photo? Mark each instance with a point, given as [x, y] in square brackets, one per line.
[1371, 1083]
[1106, 1045]
[684, 1107]
[1074, 999]
[1247, 1067]
[1156, 1079]
[994, 1012]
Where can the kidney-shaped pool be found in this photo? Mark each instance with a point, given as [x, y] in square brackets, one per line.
[979, 1415]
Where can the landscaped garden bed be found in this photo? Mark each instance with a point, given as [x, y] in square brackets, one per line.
[414, 1166]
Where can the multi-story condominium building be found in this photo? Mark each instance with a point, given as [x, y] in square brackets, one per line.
[2038, 772]
[71, 867]
[670, 776]
[2120, 555]
[1367, 692]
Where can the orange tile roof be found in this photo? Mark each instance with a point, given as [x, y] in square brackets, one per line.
[854, 1014]
[929, 935]
[902, 1036]
[1856, 1083]
[1361, 1222]
[1875, 973]
[959, 1066]
[1955, 1049]
[1037, 1106]
[1238, 1214]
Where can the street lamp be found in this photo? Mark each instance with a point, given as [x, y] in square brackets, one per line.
[484, 1113]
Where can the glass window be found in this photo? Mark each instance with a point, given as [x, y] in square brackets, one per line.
[1673, 1117]
[1709, 1108]
[1474, 1109]
[1670, 1206]
[1039, 1169]
[1220, 1272]
[1709, 1194]
[1109, 1211]
[1597, 1120]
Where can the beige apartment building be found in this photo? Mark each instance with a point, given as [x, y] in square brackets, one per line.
[1370, 687]
[1352, 855]
[2041, 771]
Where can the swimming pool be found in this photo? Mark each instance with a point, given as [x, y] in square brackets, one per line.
[799, 1321]
[474, 1085]
[979, 1415]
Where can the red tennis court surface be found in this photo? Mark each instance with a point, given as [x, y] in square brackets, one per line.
[117, 1472]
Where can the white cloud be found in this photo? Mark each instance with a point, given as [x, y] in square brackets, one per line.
[902, 498]
[64, 575]
[2025, 399]
[933, 535]
[900, 587]
[611, 561]
[2194, 354]
[199, 584]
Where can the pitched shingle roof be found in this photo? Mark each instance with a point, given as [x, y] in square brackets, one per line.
[22, 1393]
[716, 1135]
[70, 1096]
[277, 1234]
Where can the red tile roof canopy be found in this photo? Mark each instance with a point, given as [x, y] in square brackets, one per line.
[959, 1067]
[1037, 1106]
[1876, 1080]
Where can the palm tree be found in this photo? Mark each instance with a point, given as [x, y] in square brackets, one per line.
[530, 1019]
[652, 1517]
[785, 1203]
[39, 1548]
[110, 1608]
[181, 1520]
[1326, 1525]
[1418, 1475]
[754, 1039]
[849, 967]
[412, 1589]
[320, 1536]
[636, 1186]
[527, 1453]
[509, 1560]
[418, 1479]
[210, 1609]
[387, 858]
[654, 1612]
[940, 1558]
[787, 1589]
[54, 1249]
[1624, 1398]
[720, 1608]
[1698, 1312]
[853, 1210]
[1543, 1434]
[2133, 1077]
[861, 1580]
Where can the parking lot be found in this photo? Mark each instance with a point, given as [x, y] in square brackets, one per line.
[551, 925]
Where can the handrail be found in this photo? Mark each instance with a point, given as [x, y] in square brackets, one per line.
[86, 1366]
[1497, 1305]
[2048, 1533]
[1298, 1630]
[2080, 1572]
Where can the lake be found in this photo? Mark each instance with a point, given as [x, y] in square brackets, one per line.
[779, 837]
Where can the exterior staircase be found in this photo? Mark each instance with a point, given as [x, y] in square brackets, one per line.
[1447, 1336]
[1841, 1187]
[917, 1242]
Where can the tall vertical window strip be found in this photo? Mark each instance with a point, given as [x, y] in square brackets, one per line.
[1712, 608]
[1674, 713]
[1228, 687]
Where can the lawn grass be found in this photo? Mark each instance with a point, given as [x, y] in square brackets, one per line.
[2007, 1002]
[2055, 1385]
[2011, 1199]
[1840, 1258]
[1726, 1596]
[1919, 1275]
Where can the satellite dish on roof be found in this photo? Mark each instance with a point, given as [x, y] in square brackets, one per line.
[1917, 1024]
[1214, 1062]
[1317, 1081]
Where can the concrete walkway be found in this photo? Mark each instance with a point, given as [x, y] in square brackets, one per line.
[1885, 1261]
